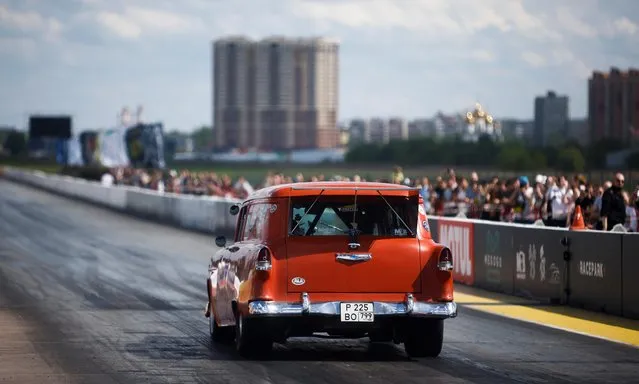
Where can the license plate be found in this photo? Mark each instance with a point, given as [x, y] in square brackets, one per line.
[357, 312]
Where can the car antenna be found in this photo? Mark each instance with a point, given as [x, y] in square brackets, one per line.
[354, 223]
[396, 214]
[354, 232]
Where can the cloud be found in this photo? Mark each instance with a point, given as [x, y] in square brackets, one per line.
[434, 18]
[534, 59]
[626, 26]
[574, 24]
[482, 55]
[159, 20]
[29, 22]
[119, 25]
[133, 21]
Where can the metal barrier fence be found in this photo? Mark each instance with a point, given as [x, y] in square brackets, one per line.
[590, 269]
[199, 213]
[593, 270]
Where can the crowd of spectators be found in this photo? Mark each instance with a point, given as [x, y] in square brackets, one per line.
[551, 199]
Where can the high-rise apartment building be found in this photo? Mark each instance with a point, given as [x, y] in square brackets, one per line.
[397, 128]
[613, 105]
[233, 91]
[275, 94]
[552, 119]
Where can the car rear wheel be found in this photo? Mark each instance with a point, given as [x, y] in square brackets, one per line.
[424, 338]
[250, 341]
[220, 334]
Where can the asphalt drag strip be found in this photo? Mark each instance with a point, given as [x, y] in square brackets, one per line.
[92, 296]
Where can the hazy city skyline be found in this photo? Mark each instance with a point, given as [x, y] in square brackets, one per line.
[89, 58]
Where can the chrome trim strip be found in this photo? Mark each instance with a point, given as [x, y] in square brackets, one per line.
[353, 245]
[306, 303]
[354, 256]
[410, 303]
[332, 308]
[263, 266]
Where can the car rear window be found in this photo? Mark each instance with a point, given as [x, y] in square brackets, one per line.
[331, 216]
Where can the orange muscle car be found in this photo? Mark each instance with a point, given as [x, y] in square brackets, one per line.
[351, 259]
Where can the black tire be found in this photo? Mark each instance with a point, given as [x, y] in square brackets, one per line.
[424, 338]
[249, 340]
[220, 334]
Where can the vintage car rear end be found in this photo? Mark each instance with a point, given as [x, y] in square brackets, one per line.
[346, 259]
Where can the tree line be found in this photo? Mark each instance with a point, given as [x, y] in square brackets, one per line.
[508, 155]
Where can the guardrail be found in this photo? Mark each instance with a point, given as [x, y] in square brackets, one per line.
[593, 270]
[589, 269]
[200, 213]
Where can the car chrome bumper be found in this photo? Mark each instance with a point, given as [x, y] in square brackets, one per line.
[409, 307]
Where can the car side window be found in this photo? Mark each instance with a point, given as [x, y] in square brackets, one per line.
[255, 222]
[249, 224]
[241, 224]
[261, 211]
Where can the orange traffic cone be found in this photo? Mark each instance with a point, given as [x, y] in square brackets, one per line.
[577, 220]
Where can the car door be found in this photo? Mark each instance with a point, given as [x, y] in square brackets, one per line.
[226, 271]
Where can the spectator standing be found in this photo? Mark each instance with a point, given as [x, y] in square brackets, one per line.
[397, 176]
[438, 194]
[107, 179]
[632, 211]
[461, 197]
[425, 192]
[524, 202]
[585, 200]
[491, 210]
[243, 187]
[613, 206]
[596, 206]
[559, 198]
[538, 198]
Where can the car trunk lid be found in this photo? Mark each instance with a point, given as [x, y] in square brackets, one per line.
[353, 244]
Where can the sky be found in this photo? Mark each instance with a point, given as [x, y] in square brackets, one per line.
[408, 58]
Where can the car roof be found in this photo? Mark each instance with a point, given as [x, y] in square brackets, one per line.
[364, 188]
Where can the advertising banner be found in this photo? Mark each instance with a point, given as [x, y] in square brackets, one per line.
[145, 145]
[59, 127]
[74, 151]
[494, 257]
[154, 145]
[458, 236]
[630, 287]
[61, 151]
[434, 233]
[112, 148]
[595, 270]
[539, 263]
[89, 145]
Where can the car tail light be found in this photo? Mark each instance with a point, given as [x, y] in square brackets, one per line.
[263, 260]
[445, 260]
